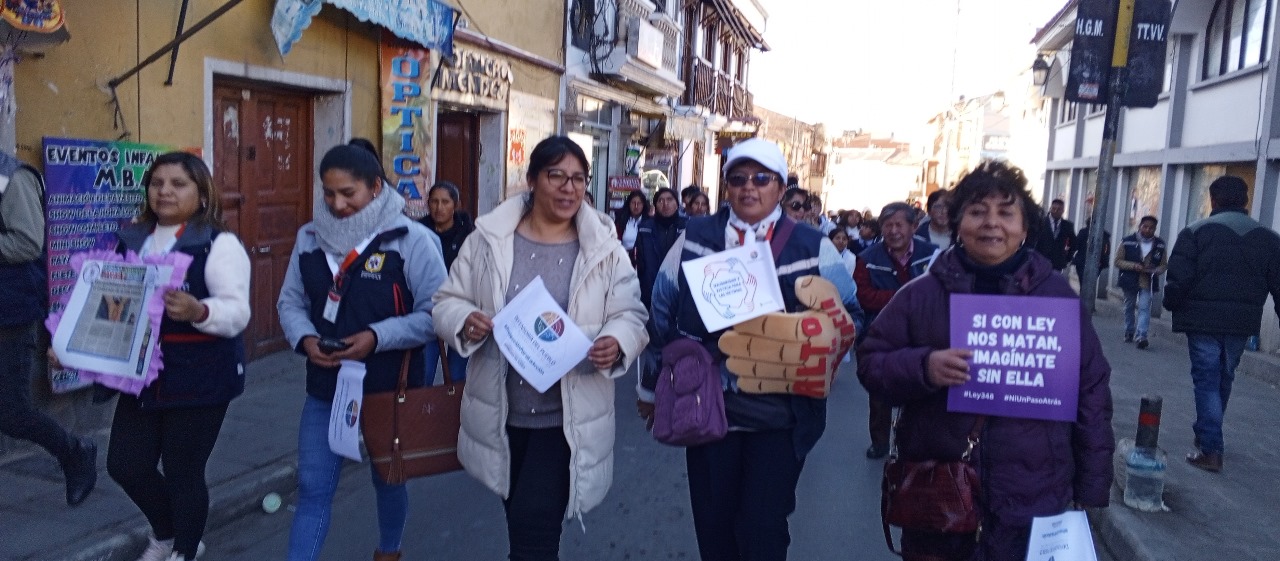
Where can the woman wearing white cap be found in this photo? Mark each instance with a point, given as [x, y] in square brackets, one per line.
[742, 487]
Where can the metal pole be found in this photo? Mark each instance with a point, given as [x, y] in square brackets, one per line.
[1106, 160]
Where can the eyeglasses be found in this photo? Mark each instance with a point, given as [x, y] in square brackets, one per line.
[797, 205]
[559, 177]
[760, 179]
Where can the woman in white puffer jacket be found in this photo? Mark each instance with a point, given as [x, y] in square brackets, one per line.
[548, 455]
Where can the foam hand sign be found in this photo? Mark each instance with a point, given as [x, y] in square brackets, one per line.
[795, 353]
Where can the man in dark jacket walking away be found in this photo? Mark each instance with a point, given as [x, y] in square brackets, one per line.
[1220, 272]
[1141, 258]
[22, 276]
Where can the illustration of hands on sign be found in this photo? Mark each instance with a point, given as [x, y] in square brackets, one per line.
[729, 287]
[794, 353]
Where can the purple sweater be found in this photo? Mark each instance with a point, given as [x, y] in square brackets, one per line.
[1028, 467]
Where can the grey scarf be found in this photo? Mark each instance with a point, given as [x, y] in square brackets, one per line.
[337, 236]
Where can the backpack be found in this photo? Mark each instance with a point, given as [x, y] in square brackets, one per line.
[689, 397]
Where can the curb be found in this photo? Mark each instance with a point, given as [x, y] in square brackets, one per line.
[229, 500]
[1117, 532]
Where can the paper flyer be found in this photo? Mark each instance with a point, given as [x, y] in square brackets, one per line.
[344, 414]
[537, 337]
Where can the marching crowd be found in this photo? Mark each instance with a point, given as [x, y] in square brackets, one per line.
[366, 283]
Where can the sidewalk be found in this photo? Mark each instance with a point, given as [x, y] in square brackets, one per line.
[255, 455]
[1212, 517]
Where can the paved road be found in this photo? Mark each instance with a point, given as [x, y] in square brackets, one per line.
[645, 516]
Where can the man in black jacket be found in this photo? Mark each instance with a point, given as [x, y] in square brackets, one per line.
[22, 298]
[1220, 272]
[1057, 239]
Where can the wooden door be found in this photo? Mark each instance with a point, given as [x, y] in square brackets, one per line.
[262, 162]
[458, 155]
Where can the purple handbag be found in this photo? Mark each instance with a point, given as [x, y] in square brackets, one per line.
[689, 398]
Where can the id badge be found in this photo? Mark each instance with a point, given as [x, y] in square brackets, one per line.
[331, 307]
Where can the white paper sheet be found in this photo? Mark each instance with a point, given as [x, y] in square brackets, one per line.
[106, 326]
[734, 285]
[1064, 537]
[537, 337]
[344, 414]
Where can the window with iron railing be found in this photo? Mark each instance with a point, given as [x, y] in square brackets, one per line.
[582, 19]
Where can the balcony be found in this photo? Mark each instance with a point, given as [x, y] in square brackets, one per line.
[718, 91]
[647, 49]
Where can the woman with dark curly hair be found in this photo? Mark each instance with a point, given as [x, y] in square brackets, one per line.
[1027, 467]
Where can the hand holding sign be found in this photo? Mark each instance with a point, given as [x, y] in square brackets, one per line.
[948, 367]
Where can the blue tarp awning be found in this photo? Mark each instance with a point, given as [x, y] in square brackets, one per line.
[426, 22]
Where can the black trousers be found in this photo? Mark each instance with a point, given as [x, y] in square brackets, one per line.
[742, 489]
[175, 502]
[539, 492]
[879, 422]
[18, 416]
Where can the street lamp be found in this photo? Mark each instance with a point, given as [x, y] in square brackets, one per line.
[1039, 71]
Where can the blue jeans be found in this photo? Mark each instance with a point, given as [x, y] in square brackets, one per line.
[318, 471]
[1137, 302]
[1213, 368]
[457, 363]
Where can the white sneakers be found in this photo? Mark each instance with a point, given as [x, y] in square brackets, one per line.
[162, 550]
[157, 550]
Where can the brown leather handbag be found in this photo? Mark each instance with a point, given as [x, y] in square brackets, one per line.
[931, 495]
[413, 432]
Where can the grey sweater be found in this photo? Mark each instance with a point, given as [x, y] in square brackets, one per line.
[554, 263]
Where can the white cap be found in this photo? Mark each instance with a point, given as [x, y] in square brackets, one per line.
[762, 152]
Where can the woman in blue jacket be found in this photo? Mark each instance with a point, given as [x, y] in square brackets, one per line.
[382, 269]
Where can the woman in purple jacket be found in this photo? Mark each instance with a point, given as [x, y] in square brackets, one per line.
[1027, 467]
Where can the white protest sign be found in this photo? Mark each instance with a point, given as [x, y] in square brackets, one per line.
[735, 285]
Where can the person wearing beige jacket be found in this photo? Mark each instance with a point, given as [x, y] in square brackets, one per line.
[548, 455]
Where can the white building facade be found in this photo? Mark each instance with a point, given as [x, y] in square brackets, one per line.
[1216, 116]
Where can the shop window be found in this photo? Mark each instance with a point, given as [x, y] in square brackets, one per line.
[1237, 36]
[1144, 196]
[595, 111]
[1198, 205]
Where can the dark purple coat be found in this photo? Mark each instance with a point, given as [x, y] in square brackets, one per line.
[1028, 467]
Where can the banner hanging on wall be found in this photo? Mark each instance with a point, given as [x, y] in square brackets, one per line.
[408, 121]
[92, 187]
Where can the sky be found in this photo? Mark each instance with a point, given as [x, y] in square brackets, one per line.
[886, 66]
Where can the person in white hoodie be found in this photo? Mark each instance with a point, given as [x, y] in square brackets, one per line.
[548, 455]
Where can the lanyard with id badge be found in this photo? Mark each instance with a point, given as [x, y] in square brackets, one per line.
[333, 299]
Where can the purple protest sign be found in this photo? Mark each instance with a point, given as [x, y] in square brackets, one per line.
[1026, 356]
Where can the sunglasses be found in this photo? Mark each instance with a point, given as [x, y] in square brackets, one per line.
[761, 179]
[797, 205]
